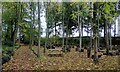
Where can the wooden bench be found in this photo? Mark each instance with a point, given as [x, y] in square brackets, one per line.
[55, 52]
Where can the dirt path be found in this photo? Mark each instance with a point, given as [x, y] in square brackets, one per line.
[22, 59]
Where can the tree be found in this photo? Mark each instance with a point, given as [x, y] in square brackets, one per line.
[46, 41]
[19, 20]
[0, 27]
[46, 5]
[14, 33]
[31, 39]
[32, 27]
[79, 25]
[11, 23]
[63, 29]
[91, 31]
[110, 12]
[95, 35]
[39, 29]
[0, 35]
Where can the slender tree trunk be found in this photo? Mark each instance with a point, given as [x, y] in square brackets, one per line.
[95, 49]
[79, 24]
[46, 28]
[45, 42]
[47, 35]
[30, 44]
[98, 31]
[81, 28]
[33, 21]
[39, 30]
[90, 48]
[87, 30]
[114, 33]
[104, 34]
[67, 37]
[32, 24]
[95, 34]
[63, 39]
[106, 37]
[14, 33]
[1, 36]
[19, 21]
[81, 31]
[98, 40]
[91, 33]
[80, 34]
[0, 26]
[110, 43]
[55, 30]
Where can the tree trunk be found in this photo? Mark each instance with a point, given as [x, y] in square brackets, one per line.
[98, 38]
[110, 43]
[95, 41]
[39, 30]
[33, 21]
[95, 49]
[104, 34]
[91, 34]
[95, 33]
[67, 37]
[81, 31]
[106, 37]
[114, 33]
[14, 33]
[32, 24]
[0, 27]
[79, 25]
[20, 20]
[81, 28]
[46, 41]
[90, 48]
[55, 30]
[63, 36]
[30, 44]
[63, 39]
[1, 36]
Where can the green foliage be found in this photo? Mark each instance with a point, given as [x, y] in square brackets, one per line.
[55, 39]
[5, 58]
[7, 52]
[43, 41]
[69, 12]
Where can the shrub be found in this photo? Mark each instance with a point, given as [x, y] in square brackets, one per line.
[5, 58]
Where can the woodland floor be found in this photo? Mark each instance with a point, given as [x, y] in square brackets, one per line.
[24, 59]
